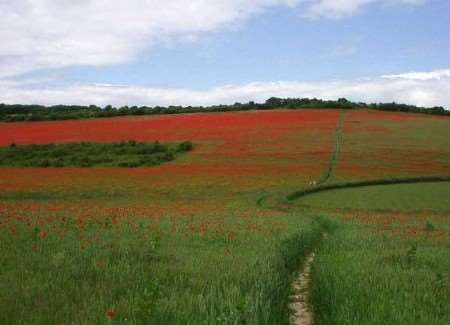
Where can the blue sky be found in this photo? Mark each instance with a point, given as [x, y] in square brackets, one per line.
[280, 45]
[207, 52]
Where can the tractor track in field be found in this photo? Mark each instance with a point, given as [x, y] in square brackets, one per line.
[301, 313]
[337, 149]
[329, 172]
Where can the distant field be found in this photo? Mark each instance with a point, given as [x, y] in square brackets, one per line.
[210, 238]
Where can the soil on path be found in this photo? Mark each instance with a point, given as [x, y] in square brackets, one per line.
[301, 312]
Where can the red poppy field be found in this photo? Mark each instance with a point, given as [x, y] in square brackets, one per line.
[209, 239]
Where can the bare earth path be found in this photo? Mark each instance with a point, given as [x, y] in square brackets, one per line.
[301, 313]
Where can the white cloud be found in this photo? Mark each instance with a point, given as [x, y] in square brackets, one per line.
[38, 34]
[335, 8]
[341, 8]
[47, 33]
[412, 90]
[438, 74]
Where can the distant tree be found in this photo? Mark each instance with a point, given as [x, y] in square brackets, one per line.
[273, 102]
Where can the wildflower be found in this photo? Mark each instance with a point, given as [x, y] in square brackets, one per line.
[110, 313]
[43, 234]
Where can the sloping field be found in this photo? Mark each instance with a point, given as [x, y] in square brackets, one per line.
[186, 242]
[237, 155]
[380, 144]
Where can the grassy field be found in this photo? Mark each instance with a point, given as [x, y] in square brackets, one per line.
[201, 271]
[209, 238]
[387, 259]
[428, 197]
[361, 276]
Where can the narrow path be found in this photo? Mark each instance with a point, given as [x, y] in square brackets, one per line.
[329, 172]
[337, 149]
[301, 313]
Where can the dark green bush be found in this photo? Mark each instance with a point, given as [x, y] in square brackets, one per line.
[185, 146]
[84, 154]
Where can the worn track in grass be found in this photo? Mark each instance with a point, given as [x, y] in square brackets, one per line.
[301, 313]
[329, 172]
[337, 149]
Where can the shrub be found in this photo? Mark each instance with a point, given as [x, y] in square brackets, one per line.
[185, 146]
[44, 163]
[86, 154]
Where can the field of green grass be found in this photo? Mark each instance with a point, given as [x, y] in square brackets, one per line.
[76, 274]
[210, 237]
[361, 276]
[427, 197]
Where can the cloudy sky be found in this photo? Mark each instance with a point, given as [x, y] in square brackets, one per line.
[154, 52]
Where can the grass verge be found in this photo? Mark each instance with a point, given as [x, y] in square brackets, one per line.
[363, 277]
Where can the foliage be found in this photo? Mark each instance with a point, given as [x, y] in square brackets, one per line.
[429, 226]
[17, 112]
[88, 154]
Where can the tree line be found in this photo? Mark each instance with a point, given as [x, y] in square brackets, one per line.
[18, 112]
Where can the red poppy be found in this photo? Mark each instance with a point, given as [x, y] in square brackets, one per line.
[110, 313]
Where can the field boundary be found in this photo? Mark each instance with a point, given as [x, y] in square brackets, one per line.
[367, 183]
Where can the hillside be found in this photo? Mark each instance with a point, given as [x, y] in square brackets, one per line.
[211, 237]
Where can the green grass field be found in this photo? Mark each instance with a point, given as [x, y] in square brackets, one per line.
[364, 277]
[403, 197]
[74, 273]
[210, 238]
